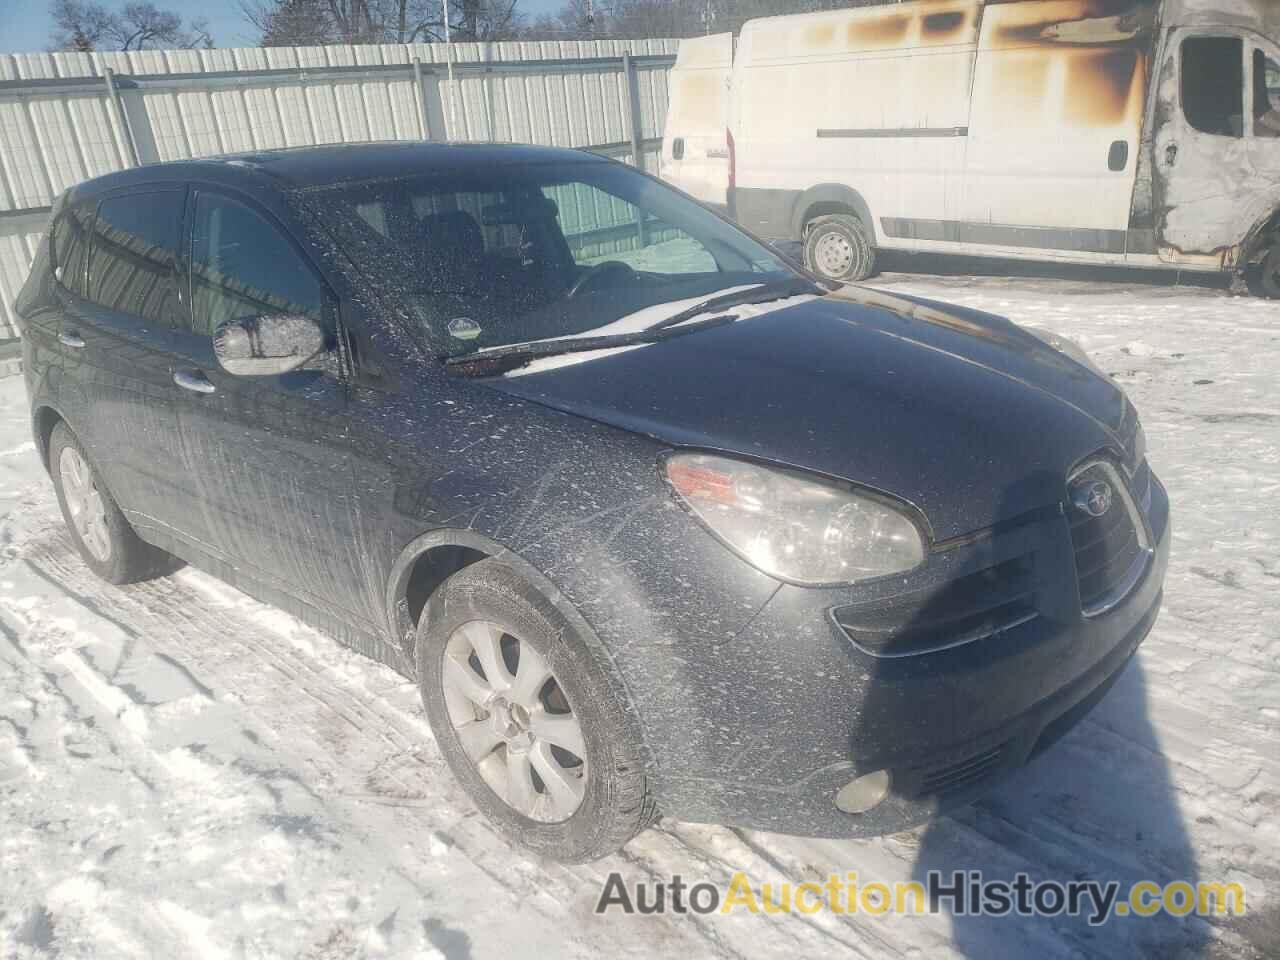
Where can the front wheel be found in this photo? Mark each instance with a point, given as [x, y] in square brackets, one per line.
[528, 719]
[839, 248]
[1264, 280]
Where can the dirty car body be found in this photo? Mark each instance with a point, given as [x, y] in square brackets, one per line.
[423, 441]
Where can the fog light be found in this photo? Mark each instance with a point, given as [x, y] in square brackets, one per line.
[860, 795]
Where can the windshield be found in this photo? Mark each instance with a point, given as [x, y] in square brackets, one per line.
[510, 255]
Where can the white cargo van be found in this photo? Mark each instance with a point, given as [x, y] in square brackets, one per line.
[1129, 132]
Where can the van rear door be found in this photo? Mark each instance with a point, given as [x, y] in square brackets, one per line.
[695, 145]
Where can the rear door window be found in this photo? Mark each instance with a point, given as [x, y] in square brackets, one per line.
[133, 260]
[243, 265]
[70, 246]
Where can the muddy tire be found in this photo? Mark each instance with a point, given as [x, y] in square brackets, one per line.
[532, 724]
[838, 247]
[103, 537]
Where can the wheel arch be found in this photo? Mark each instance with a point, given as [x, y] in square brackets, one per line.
[829, 198]
[423, 555]
[430, 558]
[425, 563]
[1259, 239]
[43, 420]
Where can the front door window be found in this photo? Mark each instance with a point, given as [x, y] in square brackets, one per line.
[1213, 85]
[243, 266]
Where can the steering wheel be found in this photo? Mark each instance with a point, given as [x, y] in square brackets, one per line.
[594, 274]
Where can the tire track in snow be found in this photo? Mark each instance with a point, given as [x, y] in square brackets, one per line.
[408, 775]
[213, 626]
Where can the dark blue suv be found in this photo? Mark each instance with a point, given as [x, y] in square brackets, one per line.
[657, 521]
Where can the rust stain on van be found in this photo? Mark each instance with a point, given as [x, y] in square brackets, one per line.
[956, 23]
[1100, 86]
[885, 31]
[1023, 84]
[1072, 23]
[1102, 45]
[940, 27]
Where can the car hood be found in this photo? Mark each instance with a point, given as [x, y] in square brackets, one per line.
[965, 415]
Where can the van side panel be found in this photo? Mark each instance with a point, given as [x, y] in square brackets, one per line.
[1058, 100]
[874, 100]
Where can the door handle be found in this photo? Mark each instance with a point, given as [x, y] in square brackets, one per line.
[73, 340]
[193, 380]
[1118, 156]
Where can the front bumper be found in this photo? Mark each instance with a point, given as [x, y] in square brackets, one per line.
[946, 724]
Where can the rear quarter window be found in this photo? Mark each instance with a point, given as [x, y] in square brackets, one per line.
[69, 246]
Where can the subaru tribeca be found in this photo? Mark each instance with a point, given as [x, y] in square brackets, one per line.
[657, 522]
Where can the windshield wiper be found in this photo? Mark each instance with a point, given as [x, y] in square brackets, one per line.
[777, 290]
[497, 360]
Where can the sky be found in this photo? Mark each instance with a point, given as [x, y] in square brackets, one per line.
[25, 25]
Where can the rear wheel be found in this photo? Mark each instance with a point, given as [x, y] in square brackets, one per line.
[528, 719]
[839, 248]
[99, 530]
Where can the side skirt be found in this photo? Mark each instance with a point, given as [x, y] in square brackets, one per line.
[363, 639]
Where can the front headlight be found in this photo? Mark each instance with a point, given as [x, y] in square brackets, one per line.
[794, 527]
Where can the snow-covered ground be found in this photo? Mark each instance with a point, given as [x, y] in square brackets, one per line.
[186, 773]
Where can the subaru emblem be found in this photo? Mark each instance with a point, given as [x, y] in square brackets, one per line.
[1092, 497]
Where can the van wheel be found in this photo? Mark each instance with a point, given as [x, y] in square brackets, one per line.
[106, 542]
[1264, 280]
[838, 247]
[528, 719]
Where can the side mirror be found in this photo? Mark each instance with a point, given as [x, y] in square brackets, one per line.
[266, 345]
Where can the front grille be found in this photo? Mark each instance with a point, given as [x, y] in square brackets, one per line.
[1111, 550]
[962, 610]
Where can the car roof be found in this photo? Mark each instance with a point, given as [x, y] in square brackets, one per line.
[301, 167]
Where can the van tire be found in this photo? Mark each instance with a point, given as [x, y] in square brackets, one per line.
[117, 554]
[617, 800]
[838, 247]
[1264, 279]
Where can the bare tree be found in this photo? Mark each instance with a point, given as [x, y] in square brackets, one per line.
[468, 20]
[85, 25]
[670, 18]
[78, 25]
[309, 22]
[300, 22]
[576, 20]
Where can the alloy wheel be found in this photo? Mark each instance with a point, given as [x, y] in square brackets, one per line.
[514, 722]
[84, 501]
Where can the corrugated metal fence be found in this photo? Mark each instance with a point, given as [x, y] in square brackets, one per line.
[66, 117]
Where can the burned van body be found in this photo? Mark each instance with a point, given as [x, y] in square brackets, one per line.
[1121, 132]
